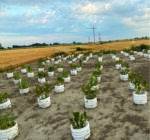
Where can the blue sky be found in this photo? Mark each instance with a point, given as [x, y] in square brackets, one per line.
[28, 21]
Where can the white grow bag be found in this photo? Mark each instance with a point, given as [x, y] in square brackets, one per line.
[124, 77]
[40, 69]
[69, 62]
[67, 79]
[132, 58]
[140, 98]
[79, 69]
[60, 69]
[99, 78]
[85, 61]
[95, 87]
[113, 57]
[118, 66]
[82, 133]
[91, 55]
[56, 62]
[42, 80]
[16, 81]
[52, 59]
[131, 86]
[10, 133]
[90, 103]
[6, 104]
[100, 59]
[59, 88]
[64, 58]
[23, 91]
[44, 103]
[30, 74]
[145, 55]
[117, 58]
[51, 73]
[47, 61]
[73, 72]
[23, 70]
[126, 54]
[10, 75]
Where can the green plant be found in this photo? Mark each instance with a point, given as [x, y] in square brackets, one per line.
[98, 65]
[7, 120]
[124, 71]
[97, 72]
[100, 54]
[73, 66]
[119, 62]
[41, 60]
[41, 65]
[23, 67]
[88, 92]
[59, 65]
[65, 73]
[79, 49]
[127, 65]
[113, 51]
[80, 63]
[51, 69]
[78, 120]
[16, 76]
[3, 97]
[59, 81]
[41, 74]
[131, 53]
[29, 69]
[42, 91]
[84, 58]
[23, 84]
[93, 81]
[141, 87]
[10, 69]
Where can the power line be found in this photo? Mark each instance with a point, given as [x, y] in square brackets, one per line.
[93, 28]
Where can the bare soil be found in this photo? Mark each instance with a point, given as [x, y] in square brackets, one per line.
[115, 118]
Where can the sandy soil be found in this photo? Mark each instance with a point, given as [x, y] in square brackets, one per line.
[115, 118]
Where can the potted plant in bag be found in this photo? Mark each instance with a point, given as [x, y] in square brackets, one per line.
[79, 65]
[30, 72]
[59, 85]
[41, 77]
[124, 74]
[10, 70]
[8, 126]
[134, 78]
[100, 57]
[42, 92]
[16, 78]
[59, 68]
[140, 94]
[118, 64]
[51, 71]
[90, 98]
[4, 101]
[80, 127]
[73, 69]
[41, 67]
[99, 65]
[66, 76]
[23, 69]
[97, 73]
[23, 86]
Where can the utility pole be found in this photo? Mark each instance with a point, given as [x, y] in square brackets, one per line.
[93, 28]
[99, 37]
[89, 39]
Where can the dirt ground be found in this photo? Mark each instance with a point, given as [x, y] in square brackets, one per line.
[115, 118]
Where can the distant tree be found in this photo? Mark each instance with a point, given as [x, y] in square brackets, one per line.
[74, 42]
[1, 47]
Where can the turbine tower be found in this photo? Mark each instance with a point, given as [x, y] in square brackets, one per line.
[93, 28]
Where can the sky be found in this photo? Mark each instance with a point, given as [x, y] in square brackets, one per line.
[24, 22]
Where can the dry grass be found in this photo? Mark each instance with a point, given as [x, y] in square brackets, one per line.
[23, 56]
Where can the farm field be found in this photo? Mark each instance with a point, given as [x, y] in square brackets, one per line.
[115, 118]
[17, 57]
